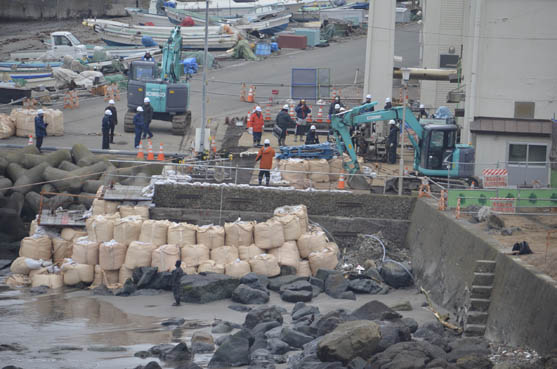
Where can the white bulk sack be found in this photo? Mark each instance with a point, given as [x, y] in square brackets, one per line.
[294, 171]
[237, 269]
[239, 233]
[210, 266]
[287, 254]
[36, 247]
[312, 241]
[124, 274]
[61, 249]
[193, 255]
[265, 264]
[247, 252]
[112, 255]
[69, 234]
[85, 251]
[319, 171]
[128, 229]
[224, 255]
[23, 265]
[75, 273]
[130, 211]
[51, 280]
[103, 207]
[301, 211]
[304, 269]
[100, 228]
[7, 126]
[211, 236]
[324, 259]
[154, 232]
[182, 234]
[165, 257]
[269, 234]
[292, 226]
[139, 254]
[335, 168]
[25, 122]
[189, 269]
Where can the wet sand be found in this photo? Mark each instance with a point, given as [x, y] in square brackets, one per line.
[86, 324]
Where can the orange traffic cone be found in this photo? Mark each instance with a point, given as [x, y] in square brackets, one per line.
[30, 142]
[291, 111]
[160, 156]
[213, 145]
[140, 154]
[340, 185]
[150, 154]
[251, 94]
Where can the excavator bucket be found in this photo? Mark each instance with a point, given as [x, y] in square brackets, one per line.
[358, 182]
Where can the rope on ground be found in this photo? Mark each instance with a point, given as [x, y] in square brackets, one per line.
[441, 319]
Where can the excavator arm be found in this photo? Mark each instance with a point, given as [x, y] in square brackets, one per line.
[171, 69]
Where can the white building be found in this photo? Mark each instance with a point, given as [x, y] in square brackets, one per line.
[509, 49]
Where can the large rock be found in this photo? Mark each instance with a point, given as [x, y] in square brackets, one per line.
[392, 333]
[276, 283]
[147, 276]
[263, 314]
[350, 340]
[408, 355]
[336, 285]
[234, 351]
[303, 310]
[261, 328]
[328, 322]
[374, 310]
[396, 276]
[467, 346]
[296, 296]
[204, 288]
[178, 354]
[257, 281]
[364, 285]
[244, 294]
[202, 342]
[278, 347]
[294, 338]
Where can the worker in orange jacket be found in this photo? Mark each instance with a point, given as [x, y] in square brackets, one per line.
[256, 123]
[265, 156]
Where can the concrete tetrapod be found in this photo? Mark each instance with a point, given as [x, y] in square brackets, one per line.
[18, 155]
[64, 181]
[53, 159]
[24, 182]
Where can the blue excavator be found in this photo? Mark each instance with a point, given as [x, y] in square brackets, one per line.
[168, 95]
[436, 153]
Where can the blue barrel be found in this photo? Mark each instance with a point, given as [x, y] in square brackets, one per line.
[262, 49]
[274, 46]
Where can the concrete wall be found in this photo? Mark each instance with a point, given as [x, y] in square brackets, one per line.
[342, 214]
[64, 9]
[444, 251]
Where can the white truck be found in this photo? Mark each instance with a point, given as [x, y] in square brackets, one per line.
[61, 44]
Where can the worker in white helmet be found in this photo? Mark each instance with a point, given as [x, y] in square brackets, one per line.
[139, 125]
[40, 128]
[256, 123]
[265, 157]
[388, 104]
[333, 107]
[283, 122]
[312, 138]
[113, 119]
[147, 117]
[367, 101]
[423, 113]
[105, 129]
[392, 142]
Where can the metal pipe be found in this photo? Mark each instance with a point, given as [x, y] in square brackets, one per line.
[427, 74]
[94, 151]
[204, 92]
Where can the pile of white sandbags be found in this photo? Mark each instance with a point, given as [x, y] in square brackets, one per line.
[25, 122]
[303, 173]
[7, 126]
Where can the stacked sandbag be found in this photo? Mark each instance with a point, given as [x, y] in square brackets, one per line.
[50, 280]
[247, 252]
[128, 211]
[239, 233]
[33, 227]
[25, 122]
[210, 266]
[324, 259]
[294, 171]
[24, 265]
[104, 207]
[309, 242]
[75, 273]
[165, 257]
[61, 249]
[100, 228]
[211, 236]
[70, 234]
[182, 234]
[124, 274]
[292, 227]
[139, 254]
[112, 255]
[265, 264]
[128, 229]
[111, 278]
[237, 269]
[304, 269]
[335, 168]
[194, 255]
[85, 251]
[319, 169]
[269, 234]
[7, 126]
[224, 254]
[36, 247]
[299, 211]
[154, 232]
[98, 278]
[287, 254]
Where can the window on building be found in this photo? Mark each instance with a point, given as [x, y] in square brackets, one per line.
[533, 154]
[524, 109]
[448, 61]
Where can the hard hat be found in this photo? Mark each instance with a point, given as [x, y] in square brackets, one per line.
[337, 106]
[422, 106]
[303, 100]
[285, 106]
[342, 109]
[107, 112]
[111, 102]
[388, 99]
[368, 97]
[392, 121]
[146, 100]
[40, 111]
[337, 97]
[267, 141]
[258, 108]
[139, 109]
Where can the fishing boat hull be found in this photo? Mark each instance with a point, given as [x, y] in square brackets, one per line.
[142, 18]
[9, 93]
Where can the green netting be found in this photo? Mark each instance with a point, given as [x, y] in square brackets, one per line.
[119, 79]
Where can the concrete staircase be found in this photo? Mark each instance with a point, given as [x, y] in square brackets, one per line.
[480, 294]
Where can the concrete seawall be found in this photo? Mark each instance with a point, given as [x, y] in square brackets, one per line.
[444, 252]
[65, 9]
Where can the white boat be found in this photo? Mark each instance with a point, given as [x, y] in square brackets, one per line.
[122, 34]
[143, 17]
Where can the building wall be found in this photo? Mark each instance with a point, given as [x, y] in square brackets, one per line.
[65, 9]
[516, 56]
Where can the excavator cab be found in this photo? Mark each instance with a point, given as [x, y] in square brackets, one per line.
[438, 145]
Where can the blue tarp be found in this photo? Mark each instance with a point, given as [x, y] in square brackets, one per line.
[319, 151]
[190, 65]
[443, 113]
[170, 4]
[148, 41]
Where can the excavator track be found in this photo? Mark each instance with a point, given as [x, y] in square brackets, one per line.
[128, 122]
[181, 123]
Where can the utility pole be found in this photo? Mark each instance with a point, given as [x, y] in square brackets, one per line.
[204, 79]
[405, 78]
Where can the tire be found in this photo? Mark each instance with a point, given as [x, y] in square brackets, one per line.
[128, 122]
[181, 123]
